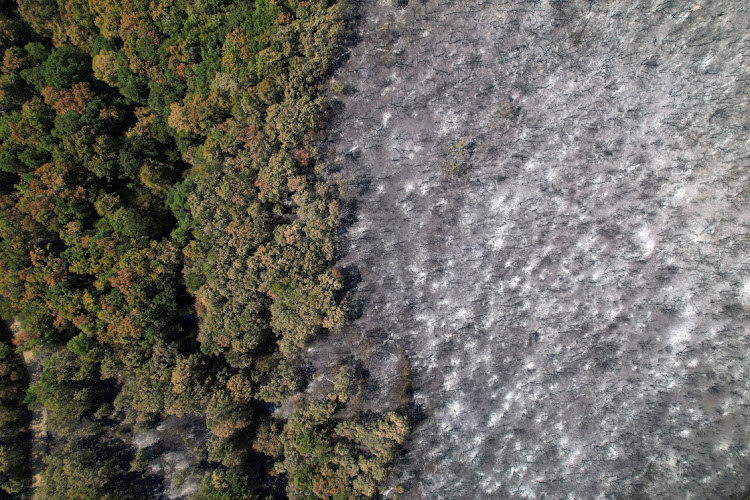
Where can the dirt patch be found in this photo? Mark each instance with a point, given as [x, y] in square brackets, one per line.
[574, 291]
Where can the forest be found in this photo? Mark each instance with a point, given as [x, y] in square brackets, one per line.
[167, 248]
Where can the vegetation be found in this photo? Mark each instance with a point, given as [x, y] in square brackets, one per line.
[89, 467]
[166, 242]
[14, 421]
[458, 160]
[326, 457]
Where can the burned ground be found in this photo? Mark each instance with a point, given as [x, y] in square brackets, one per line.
[549, 217]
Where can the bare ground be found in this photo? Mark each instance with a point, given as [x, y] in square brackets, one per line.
[575, 299]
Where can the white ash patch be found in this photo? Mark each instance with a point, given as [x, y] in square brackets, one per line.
[745, 292]
[146, 439]
[580, 297]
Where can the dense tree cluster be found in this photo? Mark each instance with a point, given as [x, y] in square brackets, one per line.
[166, 241]
[329, 457]
[14, 422]
[90, 466]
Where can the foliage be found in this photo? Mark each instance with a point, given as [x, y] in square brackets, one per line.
[458, 160]
[91, 468]
[14, 418]
[140, 461]
[166, 241]
[225, 484]
[329, 457]
[69, 388]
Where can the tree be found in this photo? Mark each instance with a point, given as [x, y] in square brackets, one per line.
[15, 444]
[68, 388]
[88, 467]
[65, 66]
[326, 457]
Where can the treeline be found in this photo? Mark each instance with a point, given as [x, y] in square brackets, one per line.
[166, 240]
[15, 419]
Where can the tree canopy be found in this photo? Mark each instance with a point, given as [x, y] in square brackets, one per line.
[166, 240]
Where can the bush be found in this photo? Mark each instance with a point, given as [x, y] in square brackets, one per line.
[140, 462]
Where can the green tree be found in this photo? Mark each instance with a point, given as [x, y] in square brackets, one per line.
[88, 467]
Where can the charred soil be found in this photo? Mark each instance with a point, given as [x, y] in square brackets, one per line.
[548, 217]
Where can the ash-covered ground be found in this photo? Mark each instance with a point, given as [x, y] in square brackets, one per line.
[550, 218]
